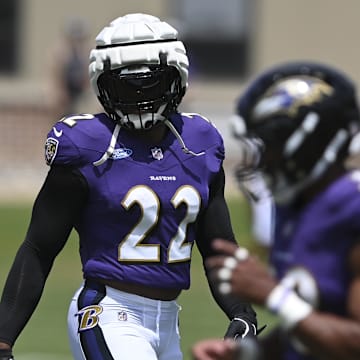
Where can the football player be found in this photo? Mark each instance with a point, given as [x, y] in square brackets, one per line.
[306, 117]
[141, 183]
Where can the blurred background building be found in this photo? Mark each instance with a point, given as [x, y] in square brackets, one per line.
[228, 42]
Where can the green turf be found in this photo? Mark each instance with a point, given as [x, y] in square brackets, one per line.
[45, 336]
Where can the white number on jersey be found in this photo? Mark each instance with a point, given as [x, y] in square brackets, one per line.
[132, 247]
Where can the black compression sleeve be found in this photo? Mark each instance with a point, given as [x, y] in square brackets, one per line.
[215, 223]
[54, 213]
[215, 220]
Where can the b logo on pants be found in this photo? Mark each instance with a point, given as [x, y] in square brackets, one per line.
[88, 317]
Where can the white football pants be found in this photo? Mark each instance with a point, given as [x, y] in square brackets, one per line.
[105, 323]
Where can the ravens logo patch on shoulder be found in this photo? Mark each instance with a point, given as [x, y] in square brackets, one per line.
[51, 147]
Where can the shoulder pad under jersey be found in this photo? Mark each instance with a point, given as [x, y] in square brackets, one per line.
[78, 139]
[201, 134]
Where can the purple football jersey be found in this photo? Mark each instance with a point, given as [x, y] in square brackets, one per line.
[312, 245]
[140, 220]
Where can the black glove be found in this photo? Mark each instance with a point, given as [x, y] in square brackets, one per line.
[6, 354]
[240, 328]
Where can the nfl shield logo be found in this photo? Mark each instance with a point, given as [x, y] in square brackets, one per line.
[157, 153]
[122, 316]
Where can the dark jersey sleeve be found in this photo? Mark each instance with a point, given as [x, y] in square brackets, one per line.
[54, 213]
[215, 220]
[215, 223]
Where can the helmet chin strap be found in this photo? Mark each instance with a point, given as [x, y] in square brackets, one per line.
[111, 147]
[110, 150]
[181, 141]
[139, 120]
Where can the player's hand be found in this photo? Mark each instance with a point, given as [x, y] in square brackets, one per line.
[215, 349]
[6, 354]
[239, 273]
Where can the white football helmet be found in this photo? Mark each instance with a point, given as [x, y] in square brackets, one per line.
[139, 70]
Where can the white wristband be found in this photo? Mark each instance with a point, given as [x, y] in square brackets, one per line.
[284, 302]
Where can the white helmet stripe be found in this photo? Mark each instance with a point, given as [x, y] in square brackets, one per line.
[298, 136]
[285, 192]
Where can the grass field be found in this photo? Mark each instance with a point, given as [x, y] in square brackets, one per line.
[45, 337]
